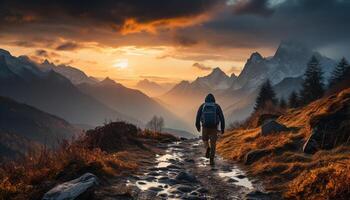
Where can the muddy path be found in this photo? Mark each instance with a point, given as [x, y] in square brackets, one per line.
[183, 172]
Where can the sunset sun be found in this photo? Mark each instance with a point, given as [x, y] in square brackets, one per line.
[121, 63]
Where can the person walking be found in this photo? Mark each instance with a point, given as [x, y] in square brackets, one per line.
[209, 116]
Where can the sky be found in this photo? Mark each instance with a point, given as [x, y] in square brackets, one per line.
[168, 41]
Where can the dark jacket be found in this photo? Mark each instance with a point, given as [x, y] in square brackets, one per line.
[210, 99]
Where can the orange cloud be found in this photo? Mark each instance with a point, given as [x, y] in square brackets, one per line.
[131, 25]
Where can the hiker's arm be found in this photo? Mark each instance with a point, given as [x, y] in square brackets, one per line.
[198, 118]
[222, 119]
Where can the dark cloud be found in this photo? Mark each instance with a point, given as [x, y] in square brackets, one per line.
[201, 67]
[318, 24]
[185, 40]
[41, 53]
[256, 7]
[244, 25]
[114, 14]
[68, 46]
[24, 44]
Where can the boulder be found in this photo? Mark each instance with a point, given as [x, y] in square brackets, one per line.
[265, 118]
[330, 129]
[255, 155]
[272, 127]
[72, 189]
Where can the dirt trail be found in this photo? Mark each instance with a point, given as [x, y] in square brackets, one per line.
[183, 173]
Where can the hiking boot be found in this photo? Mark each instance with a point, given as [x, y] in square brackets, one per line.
[211, 162]
[207, 154]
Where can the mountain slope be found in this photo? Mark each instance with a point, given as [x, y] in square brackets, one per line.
[280, 160]
[33, 124]
[131, 101]
[152, 88]
[22, 81]
[75, 75]
[290, 60]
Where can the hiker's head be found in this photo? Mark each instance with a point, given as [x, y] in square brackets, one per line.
[210, 98]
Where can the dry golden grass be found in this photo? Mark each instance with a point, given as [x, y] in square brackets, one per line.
[35, 174]
[324, 175]
[30, 177]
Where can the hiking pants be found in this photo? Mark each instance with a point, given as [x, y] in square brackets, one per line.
[209, 136]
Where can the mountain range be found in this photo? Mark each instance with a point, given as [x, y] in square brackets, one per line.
[75, 75]
[24, 129]
[69, 93]
[152, 88]
[22, 80]
[131, 101]
[237, 94]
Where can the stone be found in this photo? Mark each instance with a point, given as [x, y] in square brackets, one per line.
[184, 188]
[184, 176]
[272, 127]
[141, 183]
[189, 160]
[255, 155]
[265, 118]
[231, 180]
[168, 181]
[155, 189]
[241, 176]
[153, 174]
[72, 189]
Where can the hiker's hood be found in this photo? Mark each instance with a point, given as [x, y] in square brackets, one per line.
[210, 98]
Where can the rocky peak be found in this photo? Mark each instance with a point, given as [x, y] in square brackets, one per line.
[255, 58]
[4, 52]
[108, 81]
[233, 75]
[292, 49]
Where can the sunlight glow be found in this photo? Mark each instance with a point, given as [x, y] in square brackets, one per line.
[121, 63]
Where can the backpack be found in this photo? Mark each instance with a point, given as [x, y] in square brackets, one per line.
[209, 115]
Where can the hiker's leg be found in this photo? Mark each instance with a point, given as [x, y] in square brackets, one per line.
[213, 138]
[205, 137]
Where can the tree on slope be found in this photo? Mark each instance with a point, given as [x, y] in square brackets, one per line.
[340, 73]
[156, 124]
[282, 103]
[293, 100]
[266, 95]
[312, 87]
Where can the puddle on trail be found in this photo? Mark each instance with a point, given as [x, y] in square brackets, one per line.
[161, 181]
[231, 173]
[168, 158]
[242, 181]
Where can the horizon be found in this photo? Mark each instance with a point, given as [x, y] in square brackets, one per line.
[186, 42]
[132, 83]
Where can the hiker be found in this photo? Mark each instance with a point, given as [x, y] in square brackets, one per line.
[209, 115]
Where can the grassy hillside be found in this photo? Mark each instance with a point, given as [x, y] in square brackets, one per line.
[106, 151]
[279, 157]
